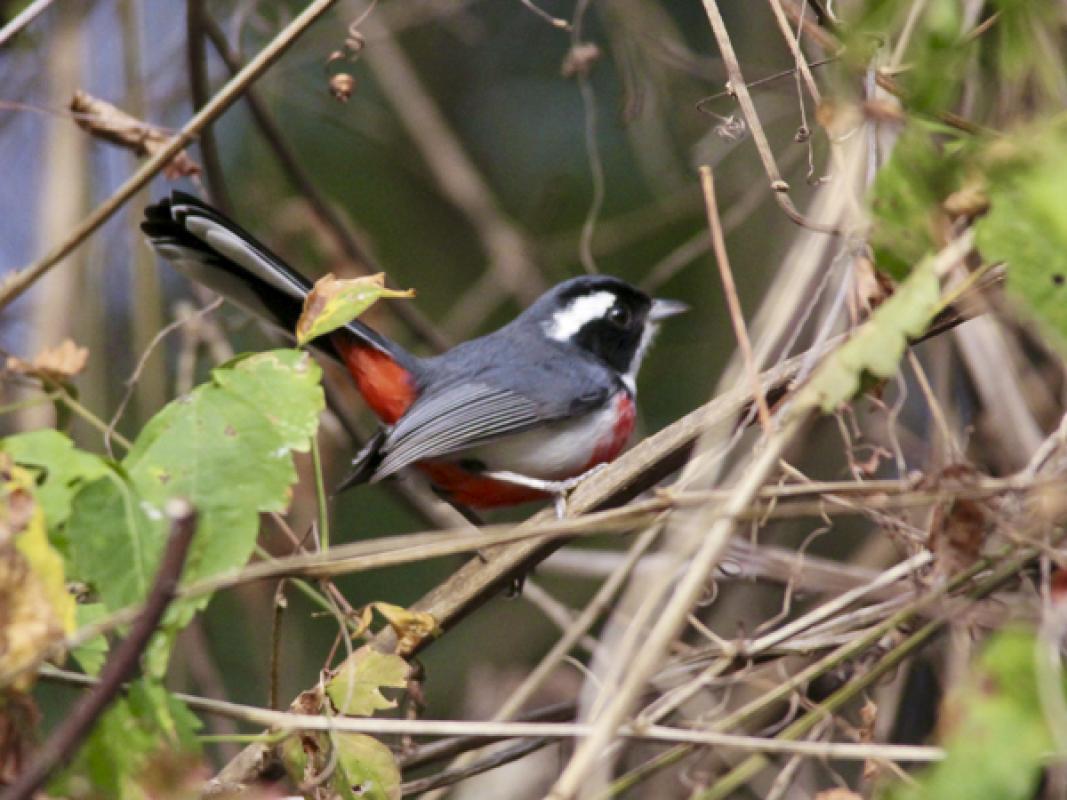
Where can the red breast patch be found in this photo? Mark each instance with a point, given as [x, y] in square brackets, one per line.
[386, 386]
[610, 446]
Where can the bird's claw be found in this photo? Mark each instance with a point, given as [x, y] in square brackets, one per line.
[559, 490]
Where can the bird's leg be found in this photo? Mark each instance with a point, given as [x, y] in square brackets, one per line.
[558, 489]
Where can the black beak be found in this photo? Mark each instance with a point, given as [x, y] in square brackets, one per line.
[662, 309]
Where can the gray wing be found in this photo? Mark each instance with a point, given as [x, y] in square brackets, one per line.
[454, 419]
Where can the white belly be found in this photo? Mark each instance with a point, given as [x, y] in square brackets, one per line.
[551, 452]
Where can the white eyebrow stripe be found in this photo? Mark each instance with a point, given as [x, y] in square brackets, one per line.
[572, 318]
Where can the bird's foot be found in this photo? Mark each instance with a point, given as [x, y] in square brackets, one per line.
[558, 489]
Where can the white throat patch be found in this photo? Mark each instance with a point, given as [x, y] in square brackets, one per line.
[630, 378]
[571, 318]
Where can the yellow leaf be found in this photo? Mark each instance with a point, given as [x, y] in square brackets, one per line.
[333, 303]
[411, 626]
[37, 609]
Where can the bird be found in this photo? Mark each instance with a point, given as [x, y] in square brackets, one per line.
[517, 415]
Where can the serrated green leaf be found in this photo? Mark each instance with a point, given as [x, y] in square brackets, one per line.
[227, 448]
[876, 348]
[366, 768]
[333, 303]
[355, 688]
[228, 443]
[998, 738]
[62, 469]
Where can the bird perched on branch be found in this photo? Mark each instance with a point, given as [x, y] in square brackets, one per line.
[514, 416]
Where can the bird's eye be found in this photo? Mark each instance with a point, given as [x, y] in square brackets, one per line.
[620, 316]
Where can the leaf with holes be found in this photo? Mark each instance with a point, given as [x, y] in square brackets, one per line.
[227, 448]
[366, 768]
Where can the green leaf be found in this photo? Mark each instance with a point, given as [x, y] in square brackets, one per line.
[333, 303]
[906, 197]
[145, 729]
[228, 444]
[998, 738]
[91, 655]
[355, 688]
[876, 348]
[1026, 226]
[170, 718]
[227, 448]
[366, 768]
[937, 55]
[114, 545]
[61, 469]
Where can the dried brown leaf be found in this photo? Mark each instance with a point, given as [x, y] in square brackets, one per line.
[110, 123]
[959, 526]
[58, 364]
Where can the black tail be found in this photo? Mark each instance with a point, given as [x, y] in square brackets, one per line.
[365, 463]
[212, 250]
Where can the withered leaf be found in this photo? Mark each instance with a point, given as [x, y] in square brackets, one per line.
[110, 123]
[58, 364]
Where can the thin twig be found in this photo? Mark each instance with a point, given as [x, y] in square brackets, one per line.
[407, 313]
[733, 303]
[65, 740]
[22, 19]
[453, 775]
[320, 496]
[748, 109]
[592, 147]
[131, 382]
[798, 55]
[200, 92]
[555, 22]
[282, 721]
